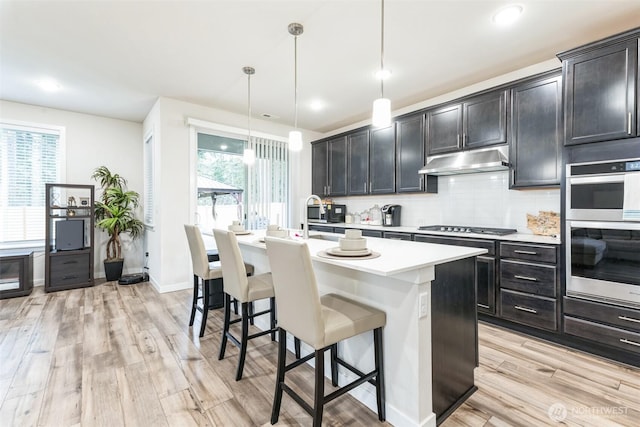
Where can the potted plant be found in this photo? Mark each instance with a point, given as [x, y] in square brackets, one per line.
[115, 214]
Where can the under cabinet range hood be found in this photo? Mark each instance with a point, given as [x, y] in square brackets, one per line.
[472, 161]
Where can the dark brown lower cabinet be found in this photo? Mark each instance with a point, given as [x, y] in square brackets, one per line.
[454, 335]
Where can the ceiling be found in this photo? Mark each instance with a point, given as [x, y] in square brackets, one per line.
[114, 58]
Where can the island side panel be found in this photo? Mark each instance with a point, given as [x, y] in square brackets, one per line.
[454, 335]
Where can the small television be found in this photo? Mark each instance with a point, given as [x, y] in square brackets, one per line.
[69, 235]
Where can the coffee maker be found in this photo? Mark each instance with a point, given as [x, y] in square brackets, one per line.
[391, 215]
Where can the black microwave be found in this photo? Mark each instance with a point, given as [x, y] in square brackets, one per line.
[333, 213]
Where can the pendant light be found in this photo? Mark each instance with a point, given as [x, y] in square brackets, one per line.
[295, 136]
[249, 156]
[381, 106]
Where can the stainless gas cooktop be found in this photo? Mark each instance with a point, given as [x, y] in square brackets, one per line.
[467, 229]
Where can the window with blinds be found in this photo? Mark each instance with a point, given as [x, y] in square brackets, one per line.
[30, 157]
[148, 181]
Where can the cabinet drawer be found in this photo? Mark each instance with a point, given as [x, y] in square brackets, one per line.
[618, 316]
[397, 236]
[371, 233]
[69, 269]
[537, 253]
[539, 312]
[536, 279]
[489, 245]
[615, 337]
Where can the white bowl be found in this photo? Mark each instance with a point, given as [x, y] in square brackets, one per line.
[278, 233]
[236, 228]
[353, 244]
[273, 227]
[353, 233]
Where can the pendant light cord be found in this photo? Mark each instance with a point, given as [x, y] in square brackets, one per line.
[382, 50]
[249, 110]
[295, 81]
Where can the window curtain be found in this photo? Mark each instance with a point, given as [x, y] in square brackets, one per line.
[268, 184]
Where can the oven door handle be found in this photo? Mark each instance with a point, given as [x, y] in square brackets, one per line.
[597, 179]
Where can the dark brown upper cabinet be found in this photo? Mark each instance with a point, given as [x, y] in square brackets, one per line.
[600, 89]
[410, 147]
[358, 163]
[535, 150]
[329, 167]
[382, 161]
[476, 122]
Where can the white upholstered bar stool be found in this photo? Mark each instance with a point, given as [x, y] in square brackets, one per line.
[321, 322]
[210, 273]
[244, 289]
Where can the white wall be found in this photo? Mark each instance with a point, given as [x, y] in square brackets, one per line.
[91, 141]
[169, 258]
[481, 199]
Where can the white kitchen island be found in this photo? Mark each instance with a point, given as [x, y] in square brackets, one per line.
[419, 286]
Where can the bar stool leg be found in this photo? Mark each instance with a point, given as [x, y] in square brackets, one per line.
[334, 365]
[205, 306]
[250, 313]
[282, 354]
[379, 364]
[243, 340]
[194, 304]
[272, 317]
[235, 306]
[318, 397]
[225, 327]
[296, 345]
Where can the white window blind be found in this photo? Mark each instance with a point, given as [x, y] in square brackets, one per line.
[268, 184]
[148, 180]
[30, 157]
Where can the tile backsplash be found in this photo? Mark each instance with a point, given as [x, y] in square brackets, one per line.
[481, 199]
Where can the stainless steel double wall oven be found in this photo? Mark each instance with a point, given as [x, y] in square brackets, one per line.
[603, 232]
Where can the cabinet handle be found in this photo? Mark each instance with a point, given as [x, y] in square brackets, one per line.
[370, 185]
[528, 310]
[626, 341]
[484, 306]
[629, 123]
[70, 262]
[629, 319]
[458, 140]
[328, 190]
[531, 279]
[525, 252]
[69, 277]
[365, 186]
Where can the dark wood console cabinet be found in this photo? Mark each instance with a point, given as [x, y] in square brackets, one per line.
[16, 273]
[69, 236]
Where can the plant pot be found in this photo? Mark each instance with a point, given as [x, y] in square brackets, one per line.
[113, 269]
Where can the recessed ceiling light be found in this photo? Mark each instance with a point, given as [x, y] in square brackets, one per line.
[223, 147]
[383, 74]
[508, 15]
[316, 105]
[49, 85]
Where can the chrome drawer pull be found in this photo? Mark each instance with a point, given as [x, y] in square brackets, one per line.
[483, 306]
[629, 124]
[528, 310]
[629, 319]
[626, 341]
[531, 279]
[525, 252]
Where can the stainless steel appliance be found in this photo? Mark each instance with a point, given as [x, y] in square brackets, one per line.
[467, 229]
[333, 213]
[391, 215]
[595, 191]
[602, 244]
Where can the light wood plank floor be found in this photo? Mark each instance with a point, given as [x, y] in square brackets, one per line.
[124, 355]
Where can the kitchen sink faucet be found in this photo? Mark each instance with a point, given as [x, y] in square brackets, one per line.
[305, 225]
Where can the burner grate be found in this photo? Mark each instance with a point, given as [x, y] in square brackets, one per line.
[468, 229]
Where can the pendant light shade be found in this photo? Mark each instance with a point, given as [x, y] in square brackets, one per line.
[249, 156]
[381, 113]
[295, 136]
[295, 140]
[382, 106]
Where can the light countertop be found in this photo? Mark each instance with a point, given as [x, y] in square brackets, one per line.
[396, 256]
[516, 237]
